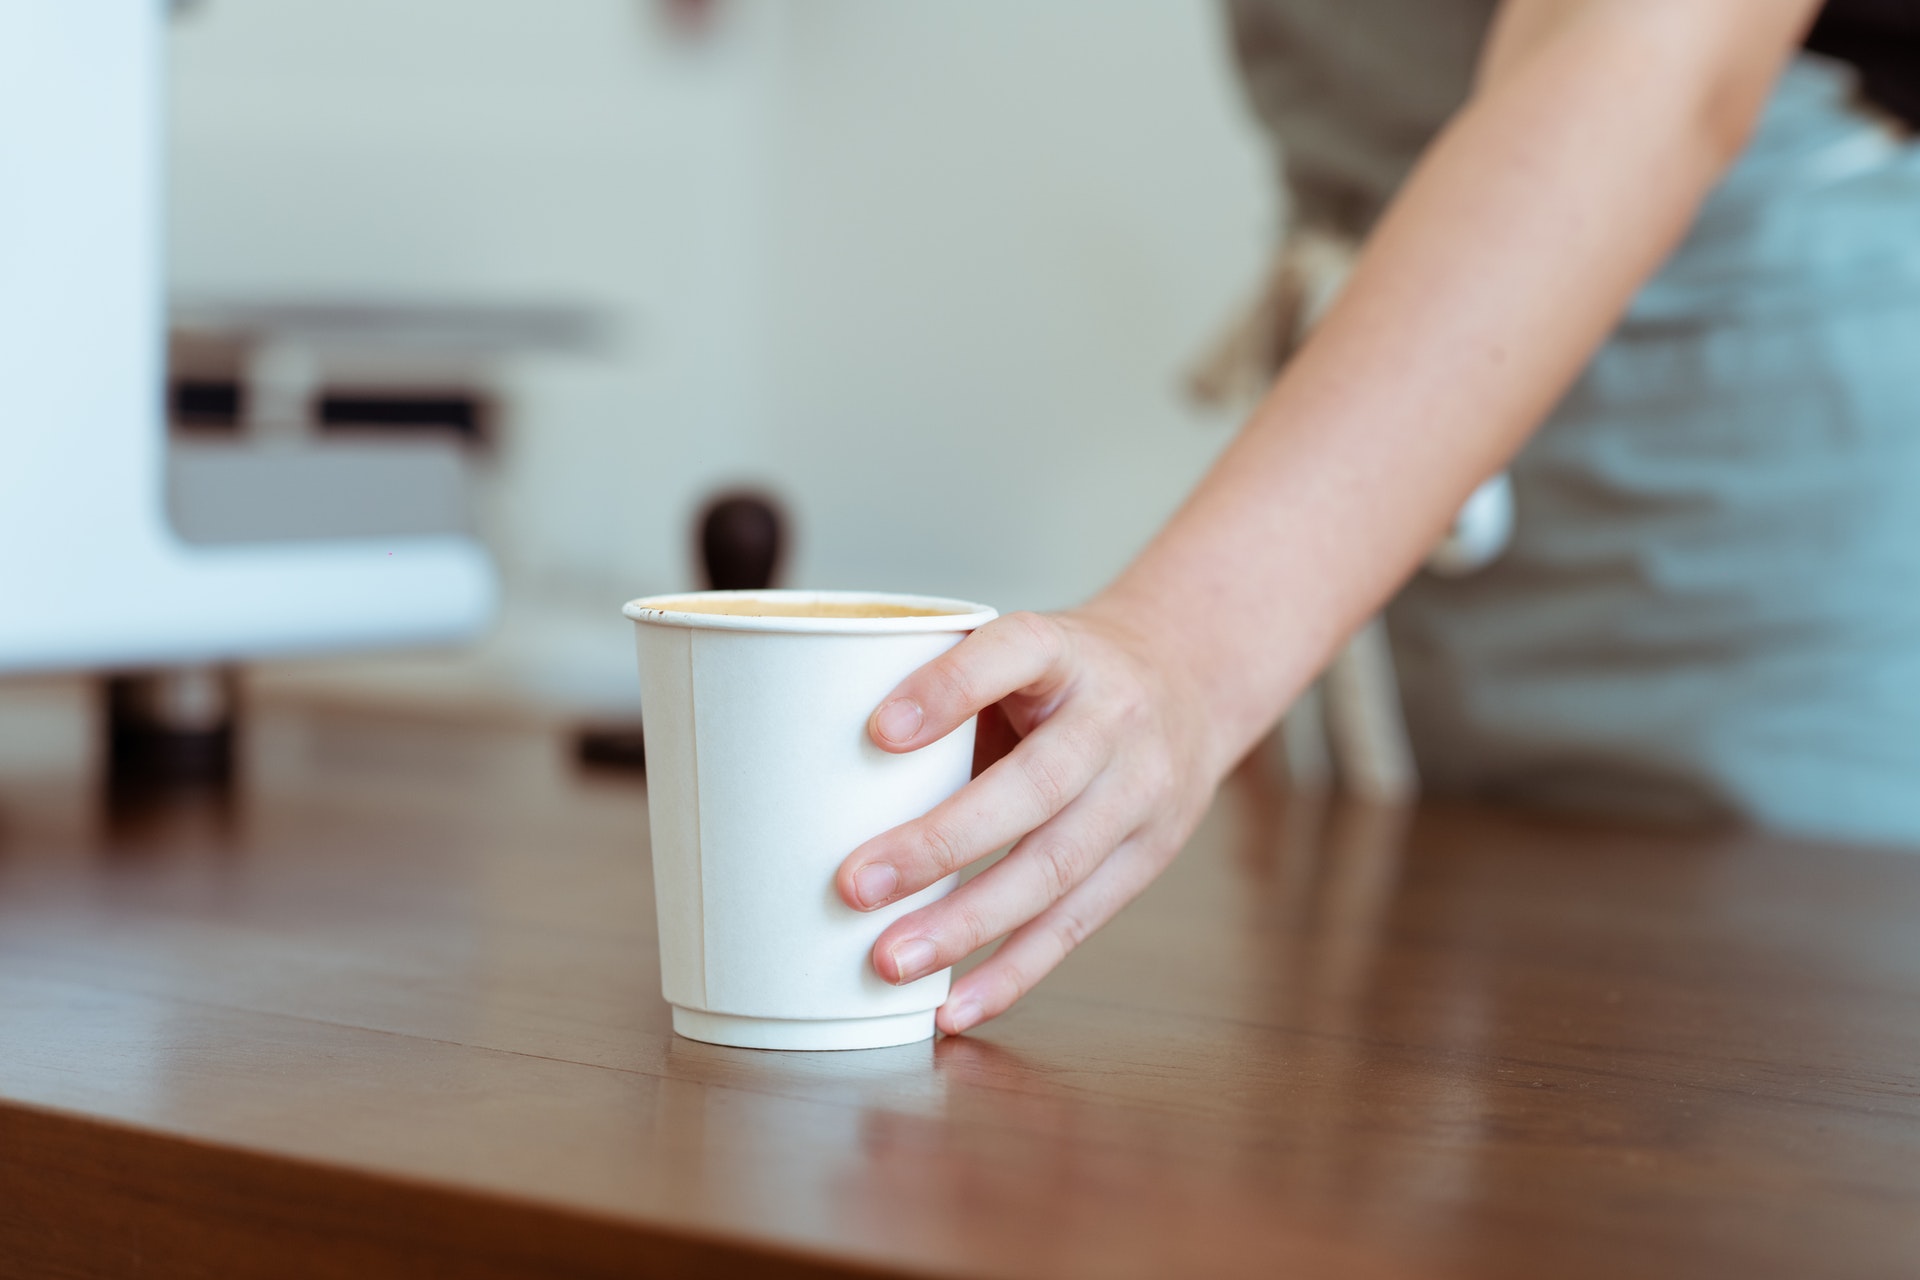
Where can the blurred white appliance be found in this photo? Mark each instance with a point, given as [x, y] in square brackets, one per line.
[92, 574]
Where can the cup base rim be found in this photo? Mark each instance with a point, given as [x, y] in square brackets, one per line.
[742, 1032]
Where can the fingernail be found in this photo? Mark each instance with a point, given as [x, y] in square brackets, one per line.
[912, 958]
[899, 720]
[964, 1016]
[874, 883]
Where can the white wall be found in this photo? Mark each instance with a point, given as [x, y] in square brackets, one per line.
[504, 150]
[930, 269]
[1000, 232]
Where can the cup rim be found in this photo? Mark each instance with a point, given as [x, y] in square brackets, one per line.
[956, 615]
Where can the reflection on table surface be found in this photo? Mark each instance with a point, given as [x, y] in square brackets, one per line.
[418, 959]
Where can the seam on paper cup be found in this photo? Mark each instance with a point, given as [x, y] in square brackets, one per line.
[699, 814]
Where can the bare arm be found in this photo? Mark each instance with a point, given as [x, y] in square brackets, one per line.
[1596, 129]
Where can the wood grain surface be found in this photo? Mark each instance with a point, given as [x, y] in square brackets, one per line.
[393, 1009]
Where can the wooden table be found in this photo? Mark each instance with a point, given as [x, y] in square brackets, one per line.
[395, 1011]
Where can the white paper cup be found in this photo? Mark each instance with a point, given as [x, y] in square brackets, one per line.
[761, 779]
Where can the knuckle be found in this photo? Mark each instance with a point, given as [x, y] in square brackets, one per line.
[971, 930]
[1011, 983]
[1039, 631]
[1071, 928]
[1087, 735]
[1057, 865]
[1048, 775]
[953, 683]
[1109, 717]
[1155, 775]
[1132, 708]
[939, 846]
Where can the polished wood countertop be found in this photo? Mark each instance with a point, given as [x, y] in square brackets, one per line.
[394, 1009]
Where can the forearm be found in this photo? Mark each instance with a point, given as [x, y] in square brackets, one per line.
[1598, 128]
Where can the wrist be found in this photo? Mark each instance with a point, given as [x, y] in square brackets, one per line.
[1191, 657]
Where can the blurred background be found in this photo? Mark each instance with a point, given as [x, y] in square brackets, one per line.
[929, 275]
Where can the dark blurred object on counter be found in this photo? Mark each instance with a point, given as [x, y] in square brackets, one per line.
[742, 537]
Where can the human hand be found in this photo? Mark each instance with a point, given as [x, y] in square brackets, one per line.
[1104, 767]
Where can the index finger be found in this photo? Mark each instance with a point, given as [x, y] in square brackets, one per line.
[1017, 652]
